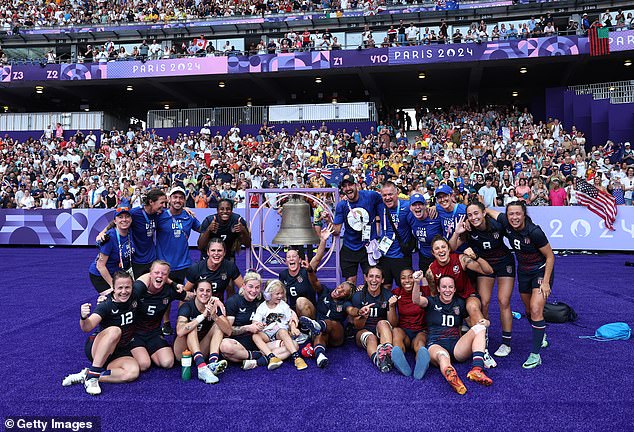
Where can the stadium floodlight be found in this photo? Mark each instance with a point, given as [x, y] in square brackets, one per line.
[166, 106]
[129, 88]
[523, 70]
[515, 94]
[318, 80]
[221, 84]
[39, 89]
[424, 97]
[422, 75]
[627, 63]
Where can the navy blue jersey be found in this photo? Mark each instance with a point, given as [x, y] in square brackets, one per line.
[119, 251]
[219, 278]
[297, 286]
[444, 320]
[369, 200]
[241, 309]
[224, 232]
[378, 312]
[526, 244]
[153, 306]
[489, 243]
[424, 231]
[399, 216]
[143, 228]
[331, 309]
[172, 238]
[450, 220]
[190, 311]
[115, 314]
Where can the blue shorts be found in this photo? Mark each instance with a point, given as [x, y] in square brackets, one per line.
[119, 351]
[152, 342]
[448, 344]
[246, 341]
[527, 282]
[411, 334]
[505, 268]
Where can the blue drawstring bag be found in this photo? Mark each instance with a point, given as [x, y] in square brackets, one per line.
[611, 332]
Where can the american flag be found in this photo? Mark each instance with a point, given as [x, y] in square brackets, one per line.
[598, 202]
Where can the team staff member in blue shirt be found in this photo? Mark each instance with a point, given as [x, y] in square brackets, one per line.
[357, 213]
[449, 212]
[173, 228]
[143, 229]
[395, 234]
[115, 253]
[424, 229]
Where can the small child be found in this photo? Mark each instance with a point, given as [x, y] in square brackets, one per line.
[280, 323]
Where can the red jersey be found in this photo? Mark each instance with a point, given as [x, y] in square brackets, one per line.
[410, 315]
[454, 269]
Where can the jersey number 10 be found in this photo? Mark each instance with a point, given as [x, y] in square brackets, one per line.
[448, 320]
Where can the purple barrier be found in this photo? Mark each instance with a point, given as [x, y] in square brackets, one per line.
[566, 227]
[316, 60]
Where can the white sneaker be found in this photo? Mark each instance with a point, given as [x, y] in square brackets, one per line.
[218, 367]
[206, 375]
[303, 337]
[322, 360]
[92, 386]
[249, 364]
[76, 378]
[489, 362]
[465, 328]
[503, 351]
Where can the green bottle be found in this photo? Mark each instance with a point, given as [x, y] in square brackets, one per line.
[186, 365]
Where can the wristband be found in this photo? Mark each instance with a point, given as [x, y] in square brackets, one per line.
[310, 269]
[200, 318]
[83, 318]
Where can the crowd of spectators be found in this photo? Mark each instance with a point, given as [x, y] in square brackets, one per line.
[403, 34]
[499, 153]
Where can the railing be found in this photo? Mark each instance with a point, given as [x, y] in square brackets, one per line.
[619, 92]
[227, 116]
[40, 121]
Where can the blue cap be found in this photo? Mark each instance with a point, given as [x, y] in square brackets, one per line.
[121, 210]
[443, 189]
[417, 198]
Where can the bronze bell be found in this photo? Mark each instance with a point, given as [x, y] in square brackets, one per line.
[296, 228]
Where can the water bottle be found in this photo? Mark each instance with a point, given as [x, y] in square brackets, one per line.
[186, 365]
[516, 315]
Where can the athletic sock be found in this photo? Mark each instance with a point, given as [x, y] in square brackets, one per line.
[214, 357]
[199, 359]
[375, 359]
[295, 355]
[322, 325]
[262, 361]
[254, 355]
[319, 349]
[106, 372]
[506, 338]
[539, 327]
[94, 372]
[478, 359]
